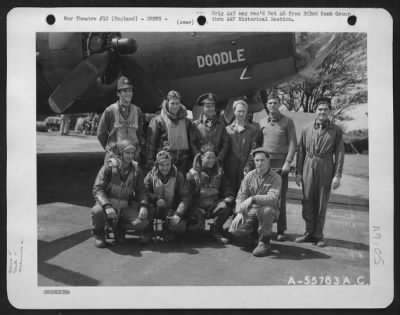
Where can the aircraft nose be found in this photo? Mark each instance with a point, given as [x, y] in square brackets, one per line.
[313, 48]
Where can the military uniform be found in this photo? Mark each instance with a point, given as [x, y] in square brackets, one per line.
[320, 157]
[170, 188]
[212, 196]
[123, 192]
[209, 132]
[172, 133]
[278, 136]
[264, 191]
[119, 123]
[241, 144]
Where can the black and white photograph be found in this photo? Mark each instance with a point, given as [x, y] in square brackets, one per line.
[201, 162]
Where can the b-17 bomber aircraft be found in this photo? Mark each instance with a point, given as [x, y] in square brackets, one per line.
[78, 72]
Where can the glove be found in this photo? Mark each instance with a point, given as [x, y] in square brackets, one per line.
[143, 213]
[174, 220]
[111, 213]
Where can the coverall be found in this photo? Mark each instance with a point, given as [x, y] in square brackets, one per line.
[211, 193]
[159, 138]
[125, 194]
[320, 157]
[264, 211]
[171, 188]
[115, 126]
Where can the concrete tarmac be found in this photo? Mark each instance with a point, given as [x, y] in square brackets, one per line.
[67, 167]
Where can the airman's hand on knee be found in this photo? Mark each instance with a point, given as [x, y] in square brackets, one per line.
[239, 219]
[111, 214]
[298, 180]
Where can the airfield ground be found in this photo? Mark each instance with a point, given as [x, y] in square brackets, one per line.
[66, 168]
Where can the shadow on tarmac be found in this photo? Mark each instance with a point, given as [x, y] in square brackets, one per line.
[67, 177]
[48, 250]
[346, 244]
[184, 244]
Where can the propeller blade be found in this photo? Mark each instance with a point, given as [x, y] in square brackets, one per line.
[78, 81]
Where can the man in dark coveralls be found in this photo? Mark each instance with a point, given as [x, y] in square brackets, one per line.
[320, 160]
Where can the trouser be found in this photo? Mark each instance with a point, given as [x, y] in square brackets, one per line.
[163, 214]
[127, 219]
[257, 218]
[282, 225]
[317, 176]
[219, 211]
[64, 128]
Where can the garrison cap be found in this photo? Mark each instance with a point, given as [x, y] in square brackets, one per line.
[260, 150]
[124, 83]
[322, 100]
[206, 98]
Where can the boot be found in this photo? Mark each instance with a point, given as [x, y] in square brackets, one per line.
[320, 242]
[306, 238]
[217, 233]
[99, 239]
[263, 248]
[280, 236]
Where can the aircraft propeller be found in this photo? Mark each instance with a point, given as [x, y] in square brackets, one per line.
[85, 74]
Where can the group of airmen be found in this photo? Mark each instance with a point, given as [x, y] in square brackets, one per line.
[204, 171]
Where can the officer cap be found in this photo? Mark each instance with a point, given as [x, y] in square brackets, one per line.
[260, 150]
[322, 100]
[206, 98]
[124, 83]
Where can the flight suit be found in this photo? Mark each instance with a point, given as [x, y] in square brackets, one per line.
[115, 126]
[212, 196]
[159, 138]
[171, 188]
[320, 157]
[125, 194]
[264, 211]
